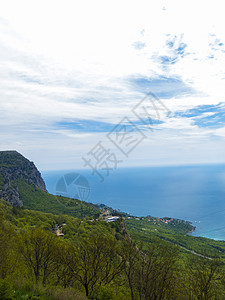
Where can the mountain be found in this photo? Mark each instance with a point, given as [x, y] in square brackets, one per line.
[14, 166]
[58, 256]
[21, 185]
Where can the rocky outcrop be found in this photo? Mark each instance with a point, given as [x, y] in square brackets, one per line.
[14, 166]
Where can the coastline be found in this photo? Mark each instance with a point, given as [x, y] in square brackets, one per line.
[191, 231]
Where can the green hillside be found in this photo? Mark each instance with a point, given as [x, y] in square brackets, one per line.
[136, 258]
[13, 159]
[21, 185]
[52, 247]
[36, 199]
[176, 233]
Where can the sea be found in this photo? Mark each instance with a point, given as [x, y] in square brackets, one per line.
[195, 193]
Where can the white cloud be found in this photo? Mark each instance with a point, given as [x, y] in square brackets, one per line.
[73, 60]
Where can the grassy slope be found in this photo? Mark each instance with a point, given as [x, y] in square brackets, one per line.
[36, 199]
[11, 159]
[146, 231]
[20, 218]
[140, 230]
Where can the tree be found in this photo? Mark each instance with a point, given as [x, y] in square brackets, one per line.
[150, 273]
[131, 255]
[38, 248]
[204, 273]
[8, 255]
[66, 264]
[96, 261]
[156, 272]
[6, 291]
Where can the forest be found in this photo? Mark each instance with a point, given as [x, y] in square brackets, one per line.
[126, 259]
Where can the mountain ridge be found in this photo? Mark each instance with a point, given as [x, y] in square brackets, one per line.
[21, 185]
[14, 166]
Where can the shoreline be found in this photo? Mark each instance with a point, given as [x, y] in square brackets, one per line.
[193, 229]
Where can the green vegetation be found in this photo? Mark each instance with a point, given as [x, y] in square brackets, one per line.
[29, 247]
[59, 248]
[9, 159]
[100, 260]
[176, 233]
[1, 181]
[21, 184]
[36, 199]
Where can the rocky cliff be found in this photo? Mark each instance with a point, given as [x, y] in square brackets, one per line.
[13, 167]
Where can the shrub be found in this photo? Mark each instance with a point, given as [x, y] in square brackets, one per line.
[6, 291]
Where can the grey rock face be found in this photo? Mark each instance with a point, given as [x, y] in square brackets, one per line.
[14, 166]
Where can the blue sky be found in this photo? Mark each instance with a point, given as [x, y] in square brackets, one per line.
[71, 71]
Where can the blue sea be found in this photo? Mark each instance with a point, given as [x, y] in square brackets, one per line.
[193, 193]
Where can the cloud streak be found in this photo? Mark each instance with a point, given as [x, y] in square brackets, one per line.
[69, 72]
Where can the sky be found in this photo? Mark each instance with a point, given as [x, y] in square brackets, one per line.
[86, 84]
